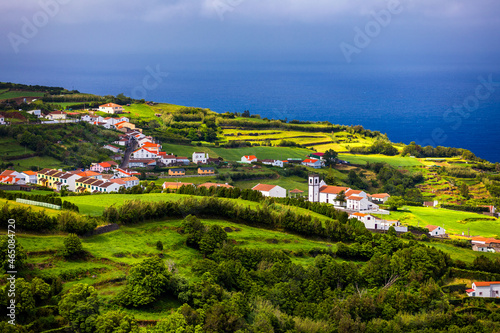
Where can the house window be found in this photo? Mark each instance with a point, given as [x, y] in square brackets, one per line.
[480, 293]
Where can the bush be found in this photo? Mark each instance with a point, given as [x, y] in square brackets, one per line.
[74, 223]
[72, 246]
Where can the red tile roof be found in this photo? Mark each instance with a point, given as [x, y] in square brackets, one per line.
[355, 198]
[486, 284]
[380, 195]
[310, 160]
[250, 157]
[263, 187]
[431, 227]
[110, 105]
[332, 189]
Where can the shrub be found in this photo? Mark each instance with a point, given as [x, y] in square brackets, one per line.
[72, 246]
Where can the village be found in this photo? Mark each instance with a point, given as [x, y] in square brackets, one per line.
[134, 150]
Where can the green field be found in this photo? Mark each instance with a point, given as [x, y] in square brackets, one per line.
[146, 112]
[452, 221]
[37, 161]
[16, 94]
[9, 148]
[396, 161]
[235, 154]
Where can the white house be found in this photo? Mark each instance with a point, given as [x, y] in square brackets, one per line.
[313, 163]
[37, 113]
[92, 119]
[143, 153]
[200, 158]
[368, 220]
[435, 231]
[360, 204]
[29, 177]
[168, 159]
[279, 163]
[111, 108]
[484, 289]
[113, 121]
[274, 191]
[56, 115]
[249, 159]
[69, 180]
[123, 173]
[380, 197]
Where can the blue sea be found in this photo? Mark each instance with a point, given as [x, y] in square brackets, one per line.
[421, 104]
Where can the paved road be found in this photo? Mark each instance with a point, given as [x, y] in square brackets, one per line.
[130, 149]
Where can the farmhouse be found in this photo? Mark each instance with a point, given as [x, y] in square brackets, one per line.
[380, 197]
[200, 158]
[273, 191]
[435, 231]
[111, 108]
[279, 163]
[249, 159]
[206, 171]
[482, 244]
[484, 289]
[56, 115]
[168, 159]
[313, 163]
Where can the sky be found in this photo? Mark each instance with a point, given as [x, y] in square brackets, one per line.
[345, 32]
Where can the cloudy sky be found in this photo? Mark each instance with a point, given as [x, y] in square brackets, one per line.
[417, 31]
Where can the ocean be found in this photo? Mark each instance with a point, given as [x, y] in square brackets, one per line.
[454, 106]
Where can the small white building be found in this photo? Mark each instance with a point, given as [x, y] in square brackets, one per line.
[313, 163]
[273, 191]
[249, 159]
[435, 231]
[111, 108]
[370, 222]
[56, 115]
[200, 158]
[360, 204]
[29, 177]
[484, 289]
[280, 163]
[167, 159]
[380, 197]
[37, 113]
[143, 153]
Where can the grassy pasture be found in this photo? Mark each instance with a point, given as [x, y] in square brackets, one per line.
[16, 94]
[453, 221]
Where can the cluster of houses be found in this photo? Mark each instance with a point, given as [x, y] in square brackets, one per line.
[176, 185]
[78, 180]
[314, 161]
[482, 244]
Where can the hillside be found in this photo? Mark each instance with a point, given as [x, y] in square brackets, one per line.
[231, 260]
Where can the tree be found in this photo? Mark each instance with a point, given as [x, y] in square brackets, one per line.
[159, 245]
[464, 191]
[212, 239]
[72, 246]
[80, 306]
[330, 157]
[395, 202]
[146, 281]
[341, 197]
[116, 322]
